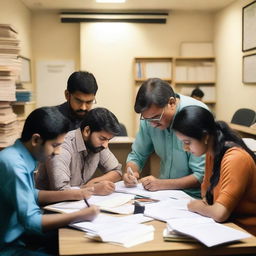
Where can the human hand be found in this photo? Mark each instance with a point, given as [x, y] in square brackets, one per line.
[80, 194]
[196, 205]
[129, 178]
[151, 183]
[89, 213]
[103, 188]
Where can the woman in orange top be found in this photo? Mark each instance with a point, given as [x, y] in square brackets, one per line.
[229, 186]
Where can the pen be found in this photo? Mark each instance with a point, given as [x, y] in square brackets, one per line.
[86, 202]
[129, 170]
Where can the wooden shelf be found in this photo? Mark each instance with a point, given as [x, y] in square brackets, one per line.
[194, 82]
[21, 103]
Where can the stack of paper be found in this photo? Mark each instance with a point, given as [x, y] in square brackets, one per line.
[206, 230]
[10, 68]
[124, 234]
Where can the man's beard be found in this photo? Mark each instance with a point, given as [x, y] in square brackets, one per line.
[91, 148]
[76, 113]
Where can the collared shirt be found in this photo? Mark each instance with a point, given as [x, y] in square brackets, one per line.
[174, 161]
[65, 110]
[74, 166]
[19, 210]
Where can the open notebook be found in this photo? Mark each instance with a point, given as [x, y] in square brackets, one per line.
[115, 203]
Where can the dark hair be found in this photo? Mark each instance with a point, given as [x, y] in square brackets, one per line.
[197, 92]
[82, 81]
[153, 91]
[196, 122]
[48, 122]
[101, 119]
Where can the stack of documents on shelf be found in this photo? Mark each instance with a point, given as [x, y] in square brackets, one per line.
[205, 230]
[125, 231]
[7, 30]
[115, 203]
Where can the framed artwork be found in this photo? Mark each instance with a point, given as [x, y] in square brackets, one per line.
[249, 67]
[25, 74]
[249, 27]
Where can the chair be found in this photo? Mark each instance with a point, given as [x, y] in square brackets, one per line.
[244, 116]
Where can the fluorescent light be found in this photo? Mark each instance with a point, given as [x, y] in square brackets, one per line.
[110, 1]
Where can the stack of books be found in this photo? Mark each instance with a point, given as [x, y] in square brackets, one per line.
[10, 68]
[23, 95]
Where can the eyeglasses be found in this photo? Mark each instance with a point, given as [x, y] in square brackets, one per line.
[81, 102]
[154, 120]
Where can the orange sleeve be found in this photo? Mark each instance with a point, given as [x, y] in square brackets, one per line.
[234, 178]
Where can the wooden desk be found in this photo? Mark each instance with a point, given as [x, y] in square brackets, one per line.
[245, 131]
[73, 242]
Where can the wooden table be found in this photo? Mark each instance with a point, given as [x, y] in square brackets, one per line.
[73, 242]
[245, 131]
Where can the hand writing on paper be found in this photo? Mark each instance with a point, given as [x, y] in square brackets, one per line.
[129, 178]
[80, 194]
[104, 187]
[151, 183]
[88, 213]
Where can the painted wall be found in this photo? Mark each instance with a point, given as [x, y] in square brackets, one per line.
[54, 41]
[108, 51]
[232, 94]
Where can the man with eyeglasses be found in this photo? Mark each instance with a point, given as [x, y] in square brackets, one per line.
[80, 95]
[158, 104]
[83, 151]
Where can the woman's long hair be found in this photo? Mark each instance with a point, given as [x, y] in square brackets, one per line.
[197, 122]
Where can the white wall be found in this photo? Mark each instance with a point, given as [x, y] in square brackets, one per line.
[108, 51]
[231, 92]
[55, 42]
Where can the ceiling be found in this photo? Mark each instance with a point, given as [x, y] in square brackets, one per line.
[138, 5]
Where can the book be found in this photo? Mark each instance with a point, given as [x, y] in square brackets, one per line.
[206, 230]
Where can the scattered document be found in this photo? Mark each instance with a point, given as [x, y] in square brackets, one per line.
[206, 230]
[158, 195]
[115, 202]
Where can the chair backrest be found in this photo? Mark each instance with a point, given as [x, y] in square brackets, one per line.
[244, 116]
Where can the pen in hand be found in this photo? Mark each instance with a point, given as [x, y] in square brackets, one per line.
[86, 202]
[129, 170]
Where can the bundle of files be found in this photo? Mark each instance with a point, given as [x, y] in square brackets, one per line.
[126, 231]
[23, 95]
[10, 68]
[202, 229]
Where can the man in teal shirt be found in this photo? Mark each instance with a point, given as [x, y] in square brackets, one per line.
[158, 104]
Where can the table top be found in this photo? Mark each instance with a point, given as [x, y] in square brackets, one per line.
[73, 242]
[242, 128]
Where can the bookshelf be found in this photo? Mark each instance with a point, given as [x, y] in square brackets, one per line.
[183, 73]
[192, 72]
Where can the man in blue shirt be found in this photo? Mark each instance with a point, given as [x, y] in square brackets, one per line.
[20, 214]
[158, 104]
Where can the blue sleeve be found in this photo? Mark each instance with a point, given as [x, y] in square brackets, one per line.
[197, 166]
[142, 147]
[24, 200]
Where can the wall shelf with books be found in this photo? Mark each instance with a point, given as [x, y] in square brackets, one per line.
[149, 67]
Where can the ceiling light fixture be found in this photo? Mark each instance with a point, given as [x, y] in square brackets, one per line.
[110, 1]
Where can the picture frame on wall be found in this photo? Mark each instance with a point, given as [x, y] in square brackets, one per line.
[249, 67]
[249, 27]
[25, 74]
